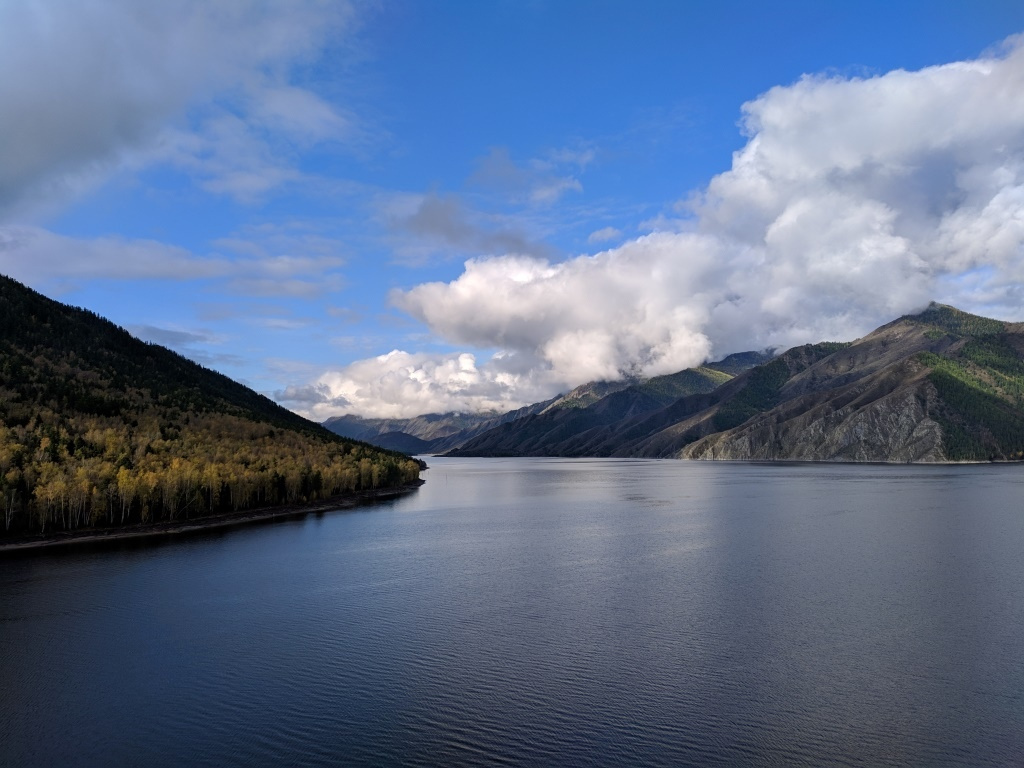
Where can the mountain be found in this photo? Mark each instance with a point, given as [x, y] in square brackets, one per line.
[438, 433]
[942, 385]
[939, 386]
[101, 430]
[429, 433]
[586, 394]
[449, 432]
[587, 424]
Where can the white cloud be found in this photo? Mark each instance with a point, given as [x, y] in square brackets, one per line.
[300, 114]
[226, 156]
[85, 84]
[853, 201]
[551, 190]
[604, 234]
[402, 384]
[588, 318]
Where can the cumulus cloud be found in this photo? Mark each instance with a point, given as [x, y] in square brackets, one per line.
[591, 317]
[85, 84]
[853, 201]
[401, 384]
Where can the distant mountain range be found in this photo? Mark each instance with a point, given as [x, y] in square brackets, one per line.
[430, 433]
[938, 386]
[602, 400]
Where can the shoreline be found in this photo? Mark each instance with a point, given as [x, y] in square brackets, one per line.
[736, 461]
[200, 524]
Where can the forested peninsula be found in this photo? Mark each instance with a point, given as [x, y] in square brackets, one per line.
[100, 431]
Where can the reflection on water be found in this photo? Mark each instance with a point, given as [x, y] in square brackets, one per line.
[545, 612]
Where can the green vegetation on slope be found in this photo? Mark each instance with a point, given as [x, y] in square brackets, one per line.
[738, 362]
[691, 381]
[980, 382]
[99, 429]
[765, 382]
[981, 417]
[1002, 365]
[587, 394]
[956, 322]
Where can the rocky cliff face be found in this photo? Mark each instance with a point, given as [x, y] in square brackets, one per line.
[895, 427]
[934, 387]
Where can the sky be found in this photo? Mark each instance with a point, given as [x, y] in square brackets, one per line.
[398, 207]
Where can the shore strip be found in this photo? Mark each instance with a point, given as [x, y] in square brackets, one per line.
[213, 522]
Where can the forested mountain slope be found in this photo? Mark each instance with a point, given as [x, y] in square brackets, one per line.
[942, 385]
[100, 429]
[583, 425]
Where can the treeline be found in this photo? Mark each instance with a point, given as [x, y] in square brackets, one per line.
[99, 429]
[956, 321]
[764, 383]
[980, 382]
[64, 474]
[982, 394]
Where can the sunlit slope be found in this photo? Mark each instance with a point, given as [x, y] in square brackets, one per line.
[942, 385]
[99, 429]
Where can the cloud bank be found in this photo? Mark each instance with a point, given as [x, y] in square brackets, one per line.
[853, 201]
[98, 81]
[407, 384]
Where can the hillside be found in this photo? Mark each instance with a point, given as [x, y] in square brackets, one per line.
[449, 432]
[586, 423]
[99, 429]
[942, 385]
[429, 433]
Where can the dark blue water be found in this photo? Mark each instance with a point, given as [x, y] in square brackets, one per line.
[545, 612]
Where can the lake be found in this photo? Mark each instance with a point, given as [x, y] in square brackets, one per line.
[545, 612]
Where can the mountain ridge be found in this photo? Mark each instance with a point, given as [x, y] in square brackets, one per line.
[440, 433]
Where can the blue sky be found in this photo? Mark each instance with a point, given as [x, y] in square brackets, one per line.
[391, 208]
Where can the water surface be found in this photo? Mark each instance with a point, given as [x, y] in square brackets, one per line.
[545, 612]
